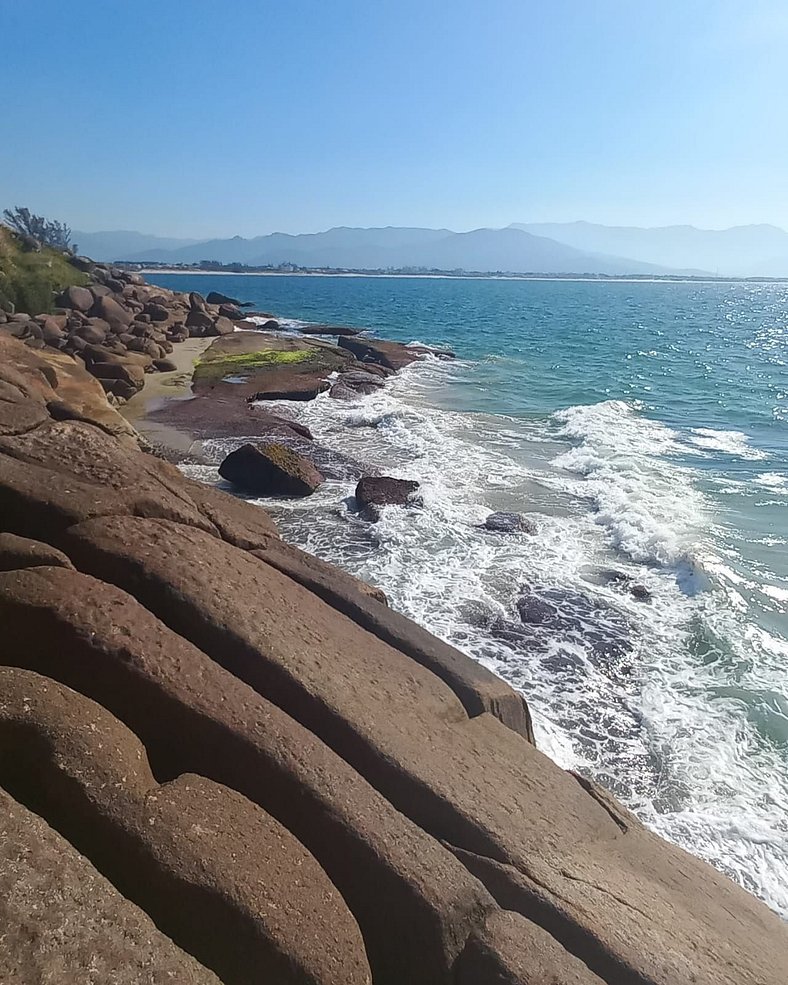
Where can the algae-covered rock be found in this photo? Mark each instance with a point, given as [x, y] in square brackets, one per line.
[270, 470]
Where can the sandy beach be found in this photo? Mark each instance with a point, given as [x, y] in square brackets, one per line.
[160, 388]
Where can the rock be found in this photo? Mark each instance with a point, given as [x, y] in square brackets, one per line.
[194, 716]
[577, 617]
[340, 392]
[156, 312]
[270, 470]
[78, 298]
[354, 383]
[384, 490]
[99, 290]
[215, 297]
[199, 322]
[85, 264]
[192, 853]
[620, 579]
[20, 552]
[230, 311]
[196, 301]
[116, 316]
[133, 375]
[165, 365]
[63, 920]
[115, 285]
[336, 330]
[509, 523]
[221, 326]
[304, 391]
[393, 355]
[53, 329]
[511, 950]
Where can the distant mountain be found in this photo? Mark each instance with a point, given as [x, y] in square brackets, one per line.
[741, 251]
[119, 244]
[509, 250]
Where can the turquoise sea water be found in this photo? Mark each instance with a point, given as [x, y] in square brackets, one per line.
[644, 428]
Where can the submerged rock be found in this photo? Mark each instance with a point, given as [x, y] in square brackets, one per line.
[509, 523]
[270, 470]
[620, 579]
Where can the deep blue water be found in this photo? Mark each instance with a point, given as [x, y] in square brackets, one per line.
[643, 426]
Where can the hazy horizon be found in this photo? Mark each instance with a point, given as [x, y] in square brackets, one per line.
[308, 116]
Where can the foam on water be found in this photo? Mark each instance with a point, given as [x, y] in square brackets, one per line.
[675, 704]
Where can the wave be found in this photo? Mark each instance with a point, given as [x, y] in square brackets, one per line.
[646, 501]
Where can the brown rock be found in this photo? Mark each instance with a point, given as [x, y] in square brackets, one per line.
[270, 470]
[478, 689]
[383, 490]
[393, 355]
[116, 316]
[156, 312]
[63, 921]
[221, 326]
[415, 902]
[128, 373]
[191, 853]
[510, 950]
[20, 552]
[78, 298]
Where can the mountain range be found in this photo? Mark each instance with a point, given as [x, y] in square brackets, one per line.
[548, 248]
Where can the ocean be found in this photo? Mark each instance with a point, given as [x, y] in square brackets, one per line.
[643, 429]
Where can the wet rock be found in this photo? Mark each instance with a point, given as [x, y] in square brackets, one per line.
[373, 492]
[336, 330]
[577, 616]
[620, 579]
[304, 391]
[509, 523]
[270, 470]
[393, 355]
[216, 297]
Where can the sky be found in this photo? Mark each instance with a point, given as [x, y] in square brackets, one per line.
[244, 117]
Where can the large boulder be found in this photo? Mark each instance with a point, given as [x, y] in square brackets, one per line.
[270, 470]
[113, 313]
[199, 322]
[221, 326]
[78, 298]
[231, 311]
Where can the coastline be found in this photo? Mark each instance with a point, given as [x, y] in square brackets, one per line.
[493, 277]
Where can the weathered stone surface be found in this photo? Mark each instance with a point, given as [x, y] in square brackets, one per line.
[62, 921]
[21, 552]
[510, 950]
[415, 903]
[270, 470]
[63, 472]
[192, 853]
[464, 781]
[478, 689]
[215, 297]
[221, 326]
[64, 387]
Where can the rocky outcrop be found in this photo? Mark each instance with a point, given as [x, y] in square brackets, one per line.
[372, 492]
[286, 777]
[270, 470]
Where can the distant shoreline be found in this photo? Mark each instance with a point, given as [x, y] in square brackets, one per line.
[572, 278]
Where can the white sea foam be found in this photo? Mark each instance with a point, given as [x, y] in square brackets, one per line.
[672, 725]
[645, 500]
[734, 443]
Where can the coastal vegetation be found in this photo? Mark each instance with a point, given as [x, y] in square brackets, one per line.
[216, 367]
[31, 274]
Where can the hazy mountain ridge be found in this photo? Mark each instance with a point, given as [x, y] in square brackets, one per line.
[741, 251]
[550, 248]
[395, 247]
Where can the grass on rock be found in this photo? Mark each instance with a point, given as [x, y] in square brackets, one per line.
[247, 362]
[29, 279]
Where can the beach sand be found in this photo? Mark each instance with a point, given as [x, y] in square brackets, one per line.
[160, 388]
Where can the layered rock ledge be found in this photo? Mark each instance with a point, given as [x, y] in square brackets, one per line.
[225, 760]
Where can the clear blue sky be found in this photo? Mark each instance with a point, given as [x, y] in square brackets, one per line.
[206, 118]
